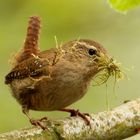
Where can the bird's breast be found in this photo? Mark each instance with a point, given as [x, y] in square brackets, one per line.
[65, 87]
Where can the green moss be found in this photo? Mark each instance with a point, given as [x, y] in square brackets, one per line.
[108, 67]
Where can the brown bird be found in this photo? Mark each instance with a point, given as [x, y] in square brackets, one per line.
[55, 78]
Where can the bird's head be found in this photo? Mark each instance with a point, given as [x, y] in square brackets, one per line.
[94, 57]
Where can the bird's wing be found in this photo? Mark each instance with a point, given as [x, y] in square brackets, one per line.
[32, 67]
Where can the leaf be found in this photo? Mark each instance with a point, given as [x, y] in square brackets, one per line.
[123, 5]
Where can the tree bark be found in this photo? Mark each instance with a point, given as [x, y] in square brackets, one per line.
[119, 123]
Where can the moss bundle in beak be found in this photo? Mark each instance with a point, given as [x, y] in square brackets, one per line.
[108, 67]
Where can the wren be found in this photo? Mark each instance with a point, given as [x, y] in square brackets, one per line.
[53, 79]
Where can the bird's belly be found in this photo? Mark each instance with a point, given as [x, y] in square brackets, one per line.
[62, 89]
[52, 96]
[54, 102]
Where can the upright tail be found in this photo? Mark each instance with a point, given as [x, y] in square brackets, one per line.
[31, 42]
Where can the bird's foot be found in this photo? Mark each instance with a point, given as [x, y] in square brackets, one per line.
[35, 122]
[77, 113]
[38, 122]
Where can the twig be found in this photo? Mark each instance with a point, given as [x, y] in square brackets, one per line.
[117, 124]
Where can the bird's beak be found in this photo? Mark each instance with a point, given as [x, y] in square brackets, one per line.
[108, 66]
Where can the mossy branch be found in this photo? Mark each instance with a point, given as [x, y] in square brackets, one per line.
[119, 123]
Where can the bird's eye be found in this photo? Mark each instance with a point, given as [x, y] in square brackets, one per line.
[91, 52]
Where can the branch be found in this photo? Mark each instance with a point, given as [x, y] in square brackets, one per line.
[117, 124]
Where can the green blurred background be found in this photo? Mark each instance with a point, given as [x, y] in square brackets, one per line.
[69, 20]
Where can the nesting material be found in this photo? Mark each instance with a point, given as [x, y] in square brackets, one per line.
[108, 68]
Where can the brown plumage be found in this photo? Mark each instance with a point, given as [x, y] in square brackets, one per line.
[31, 42]
[55, 78]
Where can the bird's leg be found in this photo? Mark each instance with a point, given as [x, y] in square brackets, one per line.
[77, 113]
[34, 122]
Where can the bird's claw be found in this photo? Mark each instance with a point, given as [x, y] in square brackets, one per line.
[39, 123]
[77, 113]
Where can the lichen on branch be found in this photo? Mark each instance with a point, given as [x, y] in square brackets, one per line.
[119, 123]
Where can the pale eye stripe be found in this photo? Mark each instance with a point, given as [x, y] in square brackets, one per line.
[92, 47]
[87, 46]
